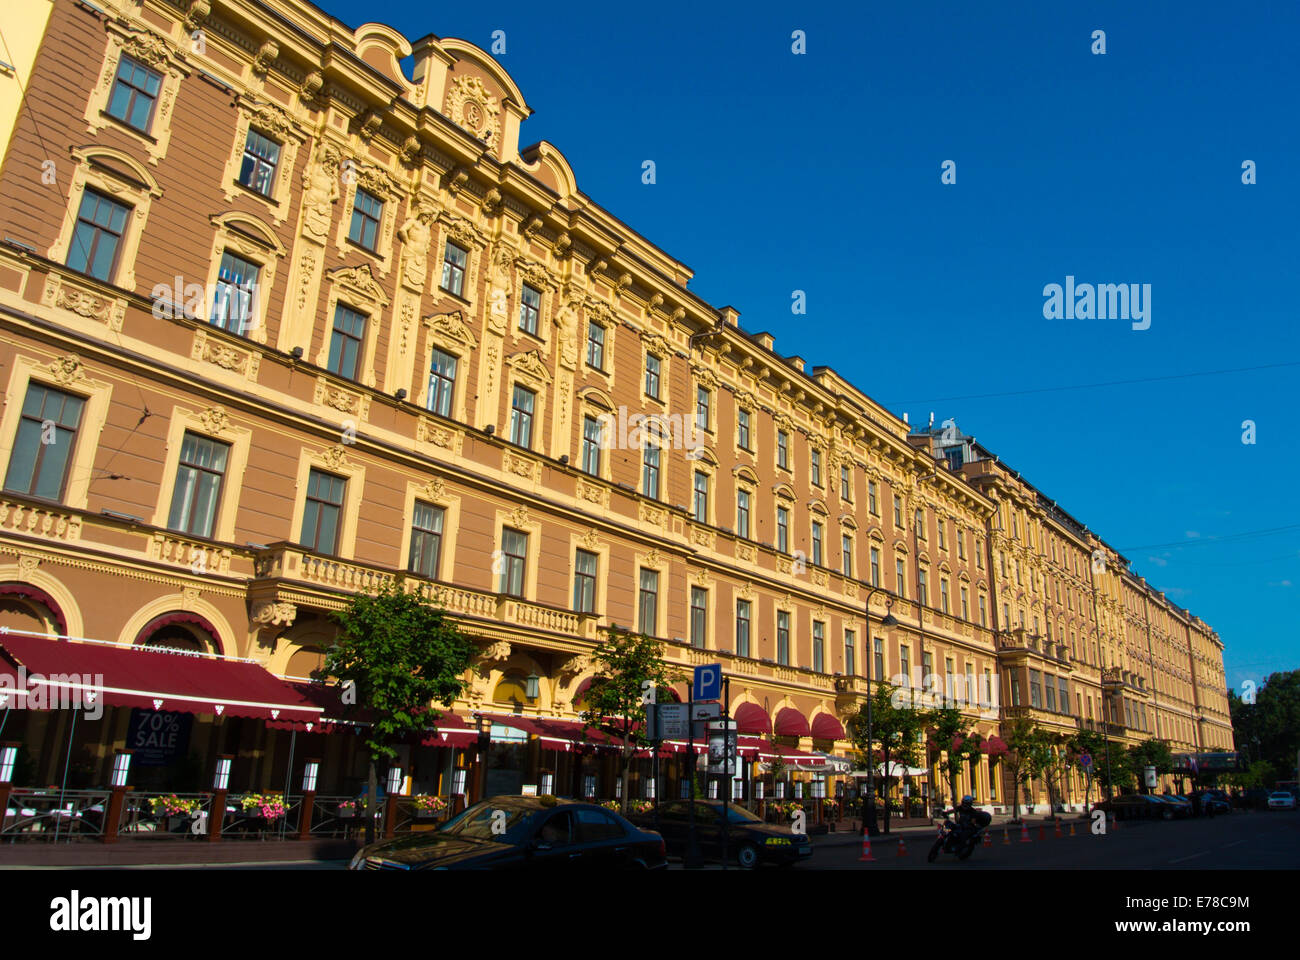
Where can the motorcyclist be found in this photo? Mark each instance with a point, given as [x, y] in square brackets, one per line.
[969, 819]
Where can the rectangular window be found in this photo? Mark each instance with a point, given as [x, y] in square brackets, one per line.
[1063, 687]
[744, 619]
[923, 586]
[345, 342]
[426, 540]
[514, 557]
[816, 544]
[961, 544]
[900, 578]
[905, 665]
[940, 526]
[197, 494]
[987, 700]
[584, 582]
[783, 638]
[261, 157]
[1014, 678]
[920, 524]
[846, 552]
[949, 690]
[653, 365]
[742, 428]
[650, 471]
[592, 440]
[875, 566]
[530, 308]
[782, 529]
[703, 401]
[742, 514]
[648, 605]
[850, 652]
[898, 511]
[454, 260]
[1050, 689]
[1035, 688]
[522, 404]
[783, 450]
[595, 346]
[367, 212]
[872, 505]
[970, 694]
[442, 382]
[819, 646]
[135, 93]
[699, 617]
[927, 669]
[701, 497]
[47, 433]
[234, 303]
[846, 483]
[322, 512]
[878, 653]
[943, 594]
[965, 604]
[98, 236]
[815, 465]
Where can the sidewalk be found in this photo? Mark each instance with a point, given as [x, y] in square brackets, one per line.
[844, 837]
[171, 853]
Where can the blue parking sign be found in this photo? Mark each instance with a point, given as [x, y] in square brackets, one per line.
[708, 682]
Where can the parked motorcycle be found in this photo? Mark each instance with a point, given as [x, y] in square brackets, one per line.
[958, 837]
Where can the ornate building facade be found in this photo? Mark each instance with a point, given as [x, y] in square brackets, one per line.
[279, 323]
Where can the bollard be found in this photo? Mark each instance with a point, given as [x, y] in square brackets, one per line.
[866, 849]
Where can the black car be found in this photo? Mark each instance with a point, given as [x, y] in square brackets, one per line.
[1136, 806]
[1215, 802]
[522, 833]
[750, 840]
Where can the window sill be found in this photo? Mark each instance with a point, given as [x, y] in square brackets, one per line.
[130, 128]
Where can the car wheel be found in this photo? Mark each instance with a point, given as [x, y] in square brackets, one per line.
[747, 856]
[967, 849]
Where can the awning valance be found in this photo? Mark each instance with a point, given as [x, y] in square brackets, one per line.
[61, 673]
[826, 727]
[791, 723]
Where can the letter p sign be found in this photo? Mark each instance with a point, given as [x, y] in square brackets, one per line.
[708, 682]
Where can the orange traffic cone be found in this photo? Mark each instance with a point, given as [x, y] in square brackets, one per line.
[1072, 829]
[988, 839]
[902, 847]
[1024, 832]
[1114, 821]
[1058, 832]
[866, 849]
[1005, 837]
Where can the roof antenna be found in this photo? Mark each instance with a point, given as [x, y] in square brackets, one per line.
[931, 426]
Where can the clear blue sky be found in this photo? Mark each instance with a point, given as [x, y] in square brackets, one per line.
[821, 172]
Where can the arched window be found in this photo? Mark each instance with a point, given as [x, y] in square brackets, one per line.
[512, 688]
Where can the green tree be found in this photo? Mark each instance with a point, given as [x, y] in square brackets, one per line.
[1048, 759]
[1151, 752]
[1268, 728]
[395, 655]
[897, 726]
[1093, 744]
[1018, 734]
[951, 733]
[625, 663]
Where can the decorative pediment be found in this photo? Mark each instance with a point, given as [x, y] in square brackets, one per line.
[451, 326]
[743, 472]
[360, 280]
[462, 231]
[530, 364]
[745, 400]
[66, 370]
[519, 516]
[335, 458]
[704, 376]
[657, 345]
[817, 506]
[784, 491]
[435, 490]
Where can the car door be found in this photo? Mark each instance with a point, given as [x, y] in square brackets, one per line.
[672, 826]
[605, 843]
[555, 845]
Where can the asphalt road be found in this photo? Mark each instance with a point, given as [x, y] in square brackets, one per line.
[1235, 842]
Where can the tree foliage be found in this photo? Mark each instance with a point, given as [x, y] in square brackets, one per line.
[951, 733]
[625, 662]
[1268, 729]
[896, 726]
[395, 656]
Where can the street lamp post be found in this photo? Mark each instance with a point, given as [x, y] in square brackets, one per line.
[869, 802]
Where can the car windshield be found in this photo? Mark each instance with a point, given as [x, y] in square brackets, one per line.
[738, 814]
[495, 822]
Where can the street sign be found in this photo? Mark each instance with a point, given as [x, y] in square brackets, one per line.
[708, 682]
[1085, 760]
[706, 711]
[1151, 776]
[672, 721]
[722, 745]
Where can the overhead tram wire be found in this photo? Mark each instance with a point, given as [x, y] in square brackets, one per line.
[1096, 386]
[1229, 538]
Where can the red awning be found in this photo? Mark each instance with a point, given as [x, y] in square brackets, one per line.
[71, 674]
[554, 734]
[452, 731]
[753, 719]
[826, 727]
[791, 723]
[789, 755]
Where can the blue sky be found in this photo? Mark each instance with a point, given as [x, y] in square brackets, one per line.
[821, 173]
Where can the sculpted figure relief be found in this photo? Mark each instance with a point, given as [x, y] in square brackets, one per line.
[567, 320]
[321, 190]
[415, 234]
